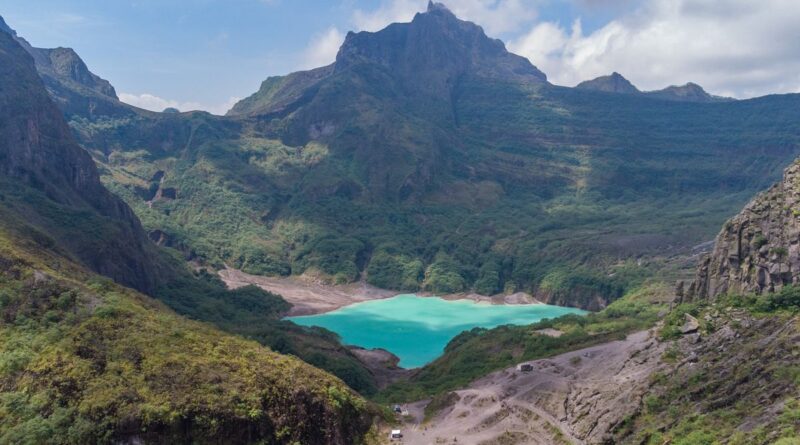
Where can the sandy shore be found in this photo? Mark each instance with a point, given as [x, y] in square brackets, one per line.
[306, 296]
[516, 298]
[309, 297]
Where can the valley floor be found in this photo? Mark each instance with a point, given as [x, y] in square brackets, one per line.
[571, 398]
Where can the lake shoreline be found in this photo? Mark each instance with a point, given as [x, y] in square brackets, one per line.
[310, 296]
[417, 329]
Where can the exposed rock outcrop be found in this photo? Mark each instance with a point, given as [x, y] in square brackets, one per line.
[75, 89]
[430, 55]
[434, 51]
[758, 250]
[577, 397]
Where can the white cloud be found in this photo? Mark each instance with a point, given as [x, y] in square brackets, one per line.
[732, 47]
[496, 16]
[155, 103]
[322, 49]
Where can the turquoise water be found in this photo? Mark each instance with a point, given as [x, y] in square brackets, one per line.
[417, 329]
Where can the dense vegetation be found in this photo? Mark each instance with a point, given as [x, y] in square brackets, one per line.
[269, 208]
[554, 187]
[51, 194]
[754, 381]
[478, 352]
[493, 183]
[255, 314]
[83, 360]
[248, 311]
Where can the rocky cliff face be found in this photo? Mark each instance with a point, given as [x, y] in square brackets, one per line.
[758, 250]
[434, 51]
[38, 152]
[5, 28]
[76, 90]
[64, 63]
[429, 55]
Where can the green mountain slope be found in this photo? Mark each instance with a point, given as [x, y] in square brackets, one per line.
[721, 365]
[69, 207]
[428, 157]
[85, 360]
[54, 183]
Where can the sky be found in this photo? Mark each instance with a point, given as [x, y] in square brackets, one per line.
[207, 54]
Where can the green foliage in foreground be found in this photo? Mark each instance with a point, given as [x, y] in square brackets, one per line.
[786, 299]
[475, 353]
[98, 363]
[247, 311]
[255, 314]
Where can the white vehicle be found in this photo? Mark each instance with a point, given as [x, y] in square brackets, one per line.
[396, 434]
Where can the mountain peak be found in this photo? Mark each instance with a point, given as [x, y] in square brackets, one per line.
[434, 51]
[689, 92]
[5, 28]
[433, 6]
[613, 83]
[75, 88]
[430, 55]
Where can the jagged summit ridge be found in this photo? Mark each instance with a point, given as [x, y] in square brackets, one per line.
[434, 50]
[613, 83]
[689, 92]
[616, 83]
[75, 89]
[429, 55]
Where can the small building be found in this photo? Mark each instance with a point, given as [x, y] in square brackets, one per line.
[396, 434]
[524, 367]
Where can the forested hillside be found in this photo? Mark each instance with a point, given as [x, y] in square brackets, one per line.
[447, 167]
[86, 360]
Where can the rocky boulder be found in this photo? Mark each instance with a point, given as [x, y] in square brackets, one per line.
[690, 326]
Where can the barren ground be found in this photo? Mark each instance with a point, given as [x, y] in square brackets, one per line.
[308, 296]
[571, 398]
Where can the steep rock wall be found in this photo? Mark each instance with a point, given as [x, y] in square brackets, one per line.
[758, 250]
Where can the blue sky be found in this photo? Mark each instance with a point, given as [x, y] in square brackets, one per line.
[206, 53]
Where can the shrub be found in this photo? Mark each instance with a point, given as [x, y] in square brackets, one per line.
[443, 276]
[399, 272]
[787, 298]
[759, 241]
